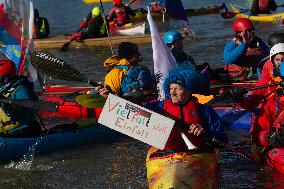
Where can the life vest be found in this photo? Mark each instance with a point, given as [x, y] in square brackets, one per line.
[263, 4]
[121, 15]
[190, 116]
[40, 28]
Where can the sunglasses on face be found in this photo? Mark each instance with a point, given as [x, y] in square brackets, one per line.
[248, 30]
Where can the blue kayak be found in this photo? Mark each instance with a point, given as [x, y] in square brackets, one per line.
[234, 117]
[14, 148]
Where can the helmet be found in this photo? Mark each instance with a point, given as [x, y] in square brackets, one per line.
[275, 38]
[241, 24]
[7, 69]
[183, 76]
[276, 49]
[96, 11]
[172, 36]
[118, 2]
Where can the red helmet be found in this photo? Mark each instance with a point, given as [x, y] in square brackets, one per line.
[241, 24]
[119, 2]
[7, 69]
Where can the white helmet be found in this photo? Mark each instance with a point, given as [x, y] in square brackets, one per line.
[276, 49]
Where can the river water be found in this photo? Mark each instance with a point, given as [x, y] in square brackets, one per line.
[120, 162]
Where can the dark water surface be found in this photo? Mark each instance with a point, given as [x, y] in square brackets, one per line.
[120, 162]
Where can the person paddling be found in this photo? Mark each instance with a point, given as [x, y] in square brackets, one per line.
[243, 53]
[41, 26]
[263, 7]
[125, 74]
[16, 119]
[94, 24]
[120, 14]
[267, 131]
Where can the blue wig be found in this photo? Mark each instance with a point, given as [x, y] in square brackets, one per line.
[189, 79]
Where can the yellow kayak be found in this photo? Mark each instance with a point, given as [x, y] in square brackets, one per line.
[276, 18]
[182, 170]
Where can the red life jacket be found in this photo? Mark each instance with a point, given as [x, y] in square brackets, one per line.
[190, 116]
[263, 4]
[121, 16]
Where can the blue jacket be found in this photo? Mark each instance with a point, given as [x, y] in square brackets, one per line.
[233, 51]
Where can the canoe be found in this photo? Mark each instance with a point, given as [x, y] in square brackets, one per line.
[275, 18]
[157, 16]
[182, 170]
[59, 41]
[137, 29]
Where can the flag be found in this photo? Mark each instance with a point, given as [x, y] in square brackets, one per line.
[175, 9]
[162, 57]
[16, 32]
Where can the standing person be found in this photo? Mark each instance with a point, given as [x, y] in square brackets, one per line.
[41, 26]
[15, 119]
[243, 53]
[95, 25]
[125, 72]
[263, 7]
[120, 14]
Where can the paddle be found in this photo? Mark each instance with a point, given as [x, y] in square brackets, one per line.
[57, 68]
[33, 104]
[67, 44]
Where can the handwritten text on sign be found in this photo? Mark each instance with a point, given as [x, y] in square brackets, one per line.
[136, 121]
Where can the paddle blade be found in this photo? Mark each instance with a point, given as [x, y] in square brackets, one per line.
[91, 100]
[65, 46]
[95, 1]
[228, 15]
[56, 68]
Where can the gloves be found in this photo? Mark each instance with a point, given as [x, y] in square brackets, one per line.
[83, 24]
[76, 36]
[276, 139]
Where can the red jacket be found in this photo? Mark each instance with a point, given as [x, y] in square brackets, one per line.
[263, 123]
[190, 116]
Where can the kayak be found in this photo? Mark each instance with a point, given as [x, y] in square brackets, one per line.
[181, 170]
[158, 16]
[273, 158]
[276, 18]
[137, 29]
[234, 118]
[58, 41]
[70, 126]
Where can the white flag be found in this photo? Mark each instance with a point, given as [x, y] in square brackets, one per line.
[162, 57]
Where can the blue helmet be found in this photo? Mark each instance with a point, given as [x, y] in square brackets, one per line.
[183, 76]
[172, 36]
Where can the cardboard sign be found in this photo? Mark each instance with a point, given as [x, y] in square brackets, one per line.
[136, 121]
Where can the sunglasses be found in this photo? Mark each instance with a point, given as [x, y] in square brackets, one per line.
[248, 30]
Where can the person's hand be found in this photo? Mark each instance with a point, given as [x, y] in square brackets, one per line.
[196, 129]
[104, 90]
[247, 36]
[276, 138]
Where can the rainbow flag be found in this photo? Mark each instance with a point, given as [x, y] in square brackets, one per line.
[16, 31]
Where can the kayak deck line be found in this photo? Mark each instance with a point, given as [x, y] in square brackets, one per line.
[59, 41]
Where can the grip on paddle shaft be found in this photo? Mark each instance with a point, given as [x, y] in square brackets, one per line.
[94, 84]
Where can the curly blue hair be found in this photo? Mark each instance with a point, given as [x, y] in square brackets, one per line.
[188, 78]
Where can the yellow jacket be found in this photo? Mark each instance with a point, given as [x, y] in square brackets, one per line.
[114, 77]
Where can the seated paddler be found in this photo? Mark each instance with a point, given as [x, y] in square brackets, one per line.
[126, 75]
[194, 119]
[16, 119]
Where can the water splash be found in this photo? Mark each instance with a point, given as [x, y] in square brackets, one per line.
[25, 163]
